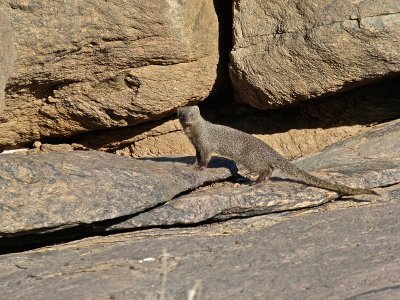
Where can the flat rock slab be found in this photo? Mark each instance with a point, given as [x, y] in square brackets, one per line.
[44, 192]
[221, 203]
[349, 253]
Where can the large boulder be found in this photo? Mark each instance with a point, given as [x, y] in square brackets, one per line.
[90, 65]
[290, 51]
[7, 54]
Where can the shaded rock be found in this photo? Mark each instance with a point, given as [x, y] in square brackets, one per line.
[292, 131]
[135, 61]
[7, 54]
[369, 160]
[159, 138]
[289, 52]
[42, 192]
[345, 254]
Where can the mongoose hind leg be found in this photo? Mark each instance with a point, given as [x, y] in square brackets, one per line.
[264, 176]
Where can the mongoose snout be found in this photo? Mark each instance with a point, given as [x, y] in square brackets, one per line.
[188, 114]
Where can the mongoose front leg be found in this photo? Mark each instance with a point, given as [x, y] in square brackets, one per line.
[265, 175]
[202, 160]
[198, 158]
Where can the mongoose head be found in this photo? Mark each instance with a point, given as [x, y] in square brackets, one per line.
[189, 115]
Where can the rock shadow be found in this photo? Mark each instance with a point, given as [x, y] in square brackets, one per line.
[215, 162]
[376, 103]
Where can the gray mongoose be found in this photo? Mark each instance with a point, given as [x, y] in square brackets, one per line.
[254, 154]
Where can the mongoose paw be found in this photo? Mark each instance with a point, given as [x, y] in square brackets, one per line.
[199, 168]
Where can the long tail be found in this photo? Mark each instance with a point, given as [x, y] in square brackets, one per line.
[292, 170]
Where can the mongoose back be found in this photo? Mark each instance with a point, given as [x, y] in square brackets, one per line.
[254, 154]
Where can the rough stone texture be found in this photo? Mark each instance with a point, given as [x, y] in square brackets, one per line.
[382, 143]
[339, 254]
[134, 61]
[42, 192]
[153, 139]
[289, 51]
[7, 54]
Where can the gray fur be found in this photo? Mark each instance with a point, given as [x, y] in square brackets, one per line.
[254, 154]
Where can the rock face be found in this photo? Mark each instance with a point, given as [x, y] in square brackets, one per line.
[286, 52]
[91, 65]
[292, 131]
[7, 54]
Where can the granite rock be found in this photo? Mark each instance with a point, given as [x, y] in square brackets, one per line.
[92, 65]
[292, 51]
